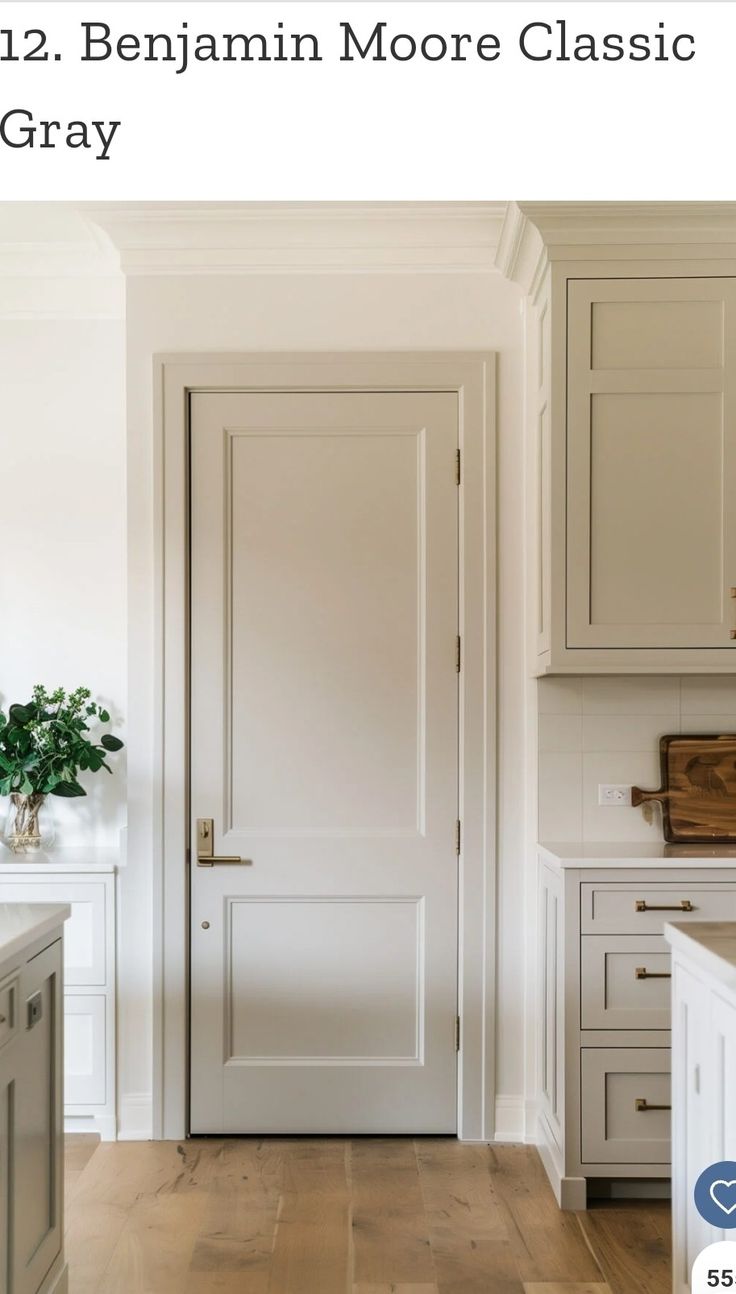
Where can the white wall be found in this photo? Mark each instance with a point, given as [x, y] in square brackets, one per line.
[62, 527]
[328, 312]
[606, 729]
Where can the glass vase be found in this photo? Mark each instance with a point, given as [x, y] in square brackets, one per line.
[29, 825]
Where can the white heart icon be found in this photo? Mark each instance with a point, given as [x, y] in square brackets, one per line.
[727, 1209]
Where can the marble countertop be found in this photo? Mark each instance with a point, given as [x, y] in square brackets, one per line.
[710, 944]
[22, 924]
[628, 854]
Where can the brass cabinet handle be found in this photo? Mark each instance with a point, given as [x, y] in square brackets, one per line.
[3, 1019]
[642, 1107]
[205, 845]
[683, 906]
[641, 972]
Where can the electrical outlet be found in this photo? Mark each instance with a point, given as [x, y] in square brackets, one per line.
[613, 794]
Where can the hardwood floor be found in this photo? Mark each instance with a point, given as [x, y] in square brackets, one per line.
[331, 1216]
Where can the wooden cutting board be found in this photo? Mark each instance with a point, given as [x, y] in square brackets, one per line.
[698, 792]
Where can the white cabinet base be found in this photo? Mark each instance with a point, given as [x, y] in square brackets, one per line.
[89, 980]
[103, 1126]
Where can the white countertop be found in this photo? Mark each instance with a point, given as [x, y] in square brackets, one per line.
[710, 944]
[82, 858]
[22, 924]
[635, 854]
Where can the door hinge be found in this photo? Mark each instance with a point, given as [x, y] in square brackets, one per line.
[457, 1033]
[457, 466]
[459, 654]
[458, 834]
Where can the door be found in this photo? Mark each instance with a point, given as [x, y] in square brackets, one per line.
[324, 748]
[651, 455]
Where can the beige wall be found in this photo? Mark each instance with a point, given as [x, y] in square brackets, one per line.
[62, 525]
[328, 312]
[606, 729]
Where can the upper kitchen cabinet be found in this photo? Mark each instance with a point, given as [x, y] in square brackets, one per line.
[631, 345]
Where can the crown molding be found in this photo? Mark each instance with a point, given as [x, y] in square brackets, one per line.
[302, 237]
[536, 233]
[521, 254]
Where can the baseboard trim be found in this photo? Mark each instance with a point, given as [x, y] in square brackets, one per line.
[510, 1121]
[570, 1192]
[105, 1125]
[136, 1117]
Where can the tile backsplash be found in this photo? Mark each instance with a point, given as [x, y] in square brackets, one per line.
[605, 729]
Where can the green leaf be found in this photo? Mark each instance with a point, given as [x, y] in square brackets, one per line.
[20, 714]
[103, 716]
[110, 742]
[68, 789]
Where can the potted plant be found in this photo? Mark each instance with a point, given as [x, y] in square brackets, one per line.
[44, 744]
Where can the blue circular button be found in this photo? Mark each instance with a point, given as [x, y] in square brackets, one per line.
[715, 1194]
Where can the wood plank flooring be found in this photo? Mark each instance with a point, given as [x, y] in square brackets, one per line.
[331, 1216]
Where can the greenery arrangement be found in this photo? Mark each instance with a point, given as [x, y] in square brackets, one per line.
[45, 743]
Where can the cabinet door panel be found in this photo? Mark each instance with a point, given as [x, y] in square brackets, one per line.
[85, 931]
[37, 1158]
[651, 463]
[84, 1049]
[7, 1093]
[692, 1132]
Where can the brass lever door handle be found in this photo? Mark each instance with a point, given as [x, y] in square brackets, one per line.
[642, 1106]
[641, 972]
[205, 846]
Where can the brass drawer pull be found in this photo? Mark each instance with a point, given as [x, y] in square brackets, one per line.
[641, 1106]
[641, 972]
[683, 906]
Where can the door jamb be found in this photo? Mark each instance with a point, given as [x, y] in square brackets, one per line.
[472, 376]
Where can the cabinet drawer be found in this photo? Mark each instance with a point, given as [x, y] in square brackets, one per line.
[643, 909]
[625, 982]
[616, 1127]
[8, 1010]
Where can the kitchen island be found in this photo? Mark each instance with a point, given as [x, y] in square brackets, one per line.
[703, 1075]
[31, 1068]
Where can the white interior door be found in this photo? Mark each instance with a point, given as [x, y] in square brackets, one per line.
[324, 748]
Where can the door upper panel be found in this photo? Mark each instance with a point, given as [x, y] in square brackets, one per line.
[328, 648]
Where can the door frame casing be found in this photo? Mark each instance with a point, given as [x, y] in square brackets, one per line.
[472, 376]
